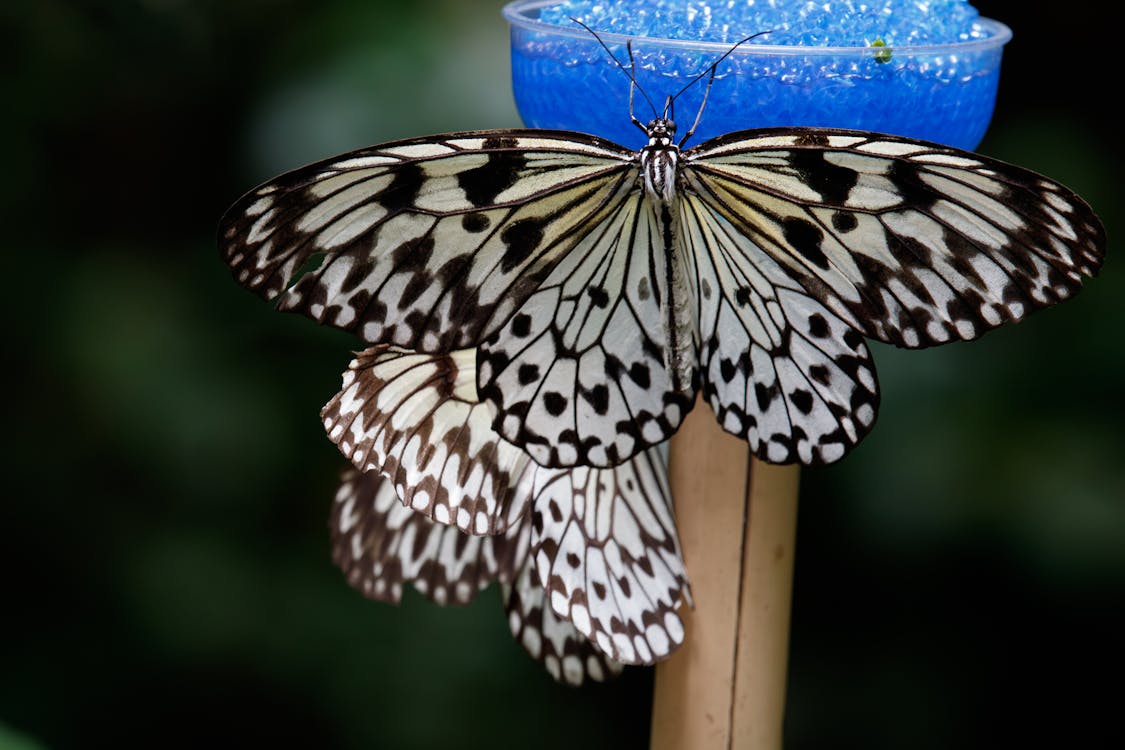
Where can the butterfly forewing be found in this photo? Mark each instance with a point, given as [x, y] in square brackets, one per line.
[909, 242]
[427, 244]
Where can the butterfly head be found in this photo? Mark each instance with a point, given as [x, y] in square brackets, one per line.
[661, 132]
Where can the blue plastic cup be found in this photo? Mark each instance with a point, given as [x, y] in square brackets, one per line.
[562, 78]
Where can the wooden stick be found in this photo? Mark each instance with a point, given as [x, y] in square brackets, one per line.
[737, 517]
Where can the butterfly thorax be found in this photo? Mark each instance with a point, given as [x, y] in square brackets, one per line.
[659, 160]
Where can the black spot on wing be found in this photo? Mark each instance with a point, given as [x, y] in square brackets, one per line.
[640, 374]
[475, 222]
[501, 141]
[802, 399]
[413, 255]
[805, 237]
[811, 139]
[818, 326]
[521, 325]
[820, 374]
[598, 397]
[528, 374]
[554, 402]
[915, 193]
[842, 221]
[359, 271]
[832, 181]
[642, 288]
[520, 238]
[482, 184]
[402, 193]
[613, 367]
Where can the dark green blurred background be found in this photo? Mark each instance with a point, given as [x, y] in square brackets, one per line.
[166, 581]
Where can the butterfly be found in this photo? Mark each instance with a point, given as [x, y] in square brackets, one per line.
[602, 288]
[589, 558]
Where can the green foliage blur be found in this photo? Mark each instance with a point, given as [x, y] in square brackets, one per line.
[166, 580]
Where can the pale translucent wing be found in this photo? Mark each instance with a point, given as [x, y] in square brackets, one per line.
[605, 549]
[428, 243]
[554, 642]
[909, 242]
[778, 368]
[380, 544]
[578, 373]
[416, 418]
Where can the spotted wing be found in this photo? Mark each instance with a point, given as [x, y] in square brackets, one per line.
[578, 373]
[380, 544]
[778, 368]
[554, 642]
[605, 550]
[430, 243]
[417, 419]
[908, 242]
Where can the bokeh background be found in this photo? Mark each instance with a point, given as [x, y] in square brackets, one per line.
[165, 574]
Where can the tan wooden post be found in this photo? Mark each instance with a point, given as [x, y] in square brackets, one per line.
[724, 688]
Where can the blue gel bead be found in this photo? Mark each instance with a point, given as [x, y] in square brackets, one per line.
[799, 74]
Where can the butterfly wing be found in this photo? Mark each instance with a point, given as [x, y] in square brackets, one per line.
[549, 639]
[908, 242]
[606, 552]
[578, 373]
[428, 243]
[417, 419]
[380, 544]
[778, 368]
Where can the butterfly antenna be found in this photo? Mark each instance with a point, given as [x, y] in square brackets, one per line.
[630, 71]
[710, 73]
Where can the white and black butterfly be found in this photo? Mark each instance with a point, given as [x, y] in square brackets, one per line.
[583, 551]
[603, 287]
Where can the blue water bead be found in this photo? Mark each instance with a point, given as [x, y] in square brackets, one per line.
[568, 81]
[829, 23]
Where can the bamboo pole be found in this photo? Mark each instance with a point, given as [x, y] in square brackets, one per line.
[724, 688]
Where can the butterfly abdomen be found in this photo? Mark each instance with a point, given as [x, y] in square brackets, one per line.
[659, 162]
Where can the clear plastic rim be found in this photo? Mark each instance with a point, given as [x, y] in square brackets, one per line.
[517, 14]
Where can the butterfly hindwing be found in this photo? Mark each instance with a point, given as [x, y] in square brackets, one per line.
[606, 551]
[578, 374]
[380, 544]
[908, 242]
[778, 368]
[551, 640]
[417, 419]
[428, 243]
